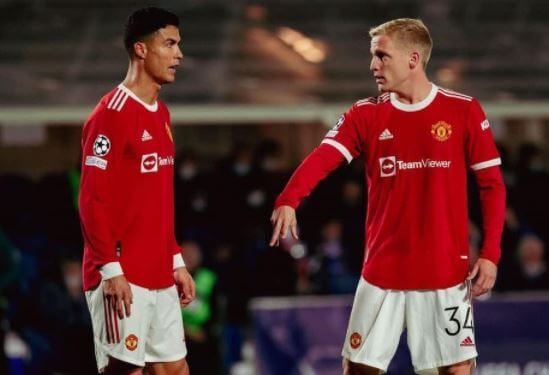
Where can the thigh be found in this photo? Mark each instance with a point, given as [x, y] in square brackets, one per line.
[375, 326]
[440, 326]
[166, 339]
[178, 367]
[351, 368]
[117, 367]
[123, 339]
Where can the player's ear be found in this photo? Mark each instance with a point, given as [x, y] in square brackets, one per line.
[415, 60]
[140, 50]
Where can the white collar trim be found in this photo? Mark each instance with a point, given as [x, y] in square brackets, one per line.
[150, 107]
[415, 106]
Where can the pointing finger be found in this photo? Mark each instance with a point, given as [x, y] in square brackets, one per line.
[293, 228]
[276, 232]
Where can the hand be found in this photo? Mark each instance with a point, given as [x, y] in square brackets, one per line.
[185, 285]
[283, 218]
[119, 293]
[487, 272]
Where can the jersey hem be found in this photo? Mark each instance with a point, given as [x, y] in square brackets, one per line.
[91, 288]
[155, 287]
[443, 286]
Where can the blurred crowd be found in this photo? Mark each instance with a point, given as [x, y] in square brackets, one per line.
[222, 222]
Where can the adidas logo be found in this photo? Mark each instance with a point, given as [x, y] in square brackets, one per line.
[386, 134]
[467, 342]
[146, 136]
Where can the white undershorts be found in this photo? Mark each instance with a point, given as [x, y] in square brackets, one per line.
[439, 324]
[152, 333]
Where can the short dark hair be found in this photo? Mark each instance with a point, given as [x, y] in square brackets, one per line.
[144, 22]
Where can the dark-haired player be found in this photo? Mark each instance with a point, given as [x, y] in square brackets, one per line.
[131, 258]
[418, 141]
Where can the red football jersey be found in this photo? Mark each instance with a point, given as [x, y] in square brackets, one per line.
[126, 194]
[416, 160]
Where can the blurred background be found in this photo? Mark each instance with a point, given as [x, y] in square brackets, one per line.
[260, 84]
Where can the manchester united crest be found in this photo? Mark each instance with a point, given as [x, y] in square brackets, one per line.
[168, 130]
[131, 342]
[355, 340]
[441, 131]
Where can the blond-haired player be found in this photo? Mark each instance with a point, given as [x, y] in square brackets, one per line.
[418, 142]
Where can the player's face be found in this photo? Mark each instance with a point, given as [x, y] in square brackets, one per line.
[390, 63]
[163, 54]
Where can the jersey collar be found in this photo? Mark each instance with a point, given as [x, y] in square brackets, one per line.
[416, 106]
[150, 107]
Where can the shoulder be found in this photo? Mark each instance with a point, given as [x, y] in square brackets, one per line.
[373, 101]
[116, 100]
[468, 104]
[113, 107]
[455, 96]
[368, 105]
[110, 111]
[364, 108]
[112, 103]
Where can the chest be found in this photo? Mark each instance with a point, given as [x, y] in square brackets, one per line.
[411, 135]
[149, 142]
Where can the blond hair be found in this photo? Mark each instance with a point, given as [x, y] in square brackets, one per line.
[408, 32]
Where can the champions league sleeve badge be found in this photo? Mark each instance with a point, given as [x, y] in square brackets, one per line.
[333, 132]
[101, 146]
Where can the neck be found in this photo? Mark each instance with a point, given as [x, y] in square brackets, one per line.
[414, 90]
[140, 83]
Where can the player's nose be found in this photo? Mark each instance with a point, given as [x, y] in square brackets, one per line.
[179, 54]
[373, 64]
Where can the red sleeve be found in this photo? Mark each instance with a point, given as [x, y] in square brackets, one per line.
[345, 136]
[483, 158]
[323, 160]
[102, 148]
[342, 142]
[492, 200]
[481, 148]
[176, 249]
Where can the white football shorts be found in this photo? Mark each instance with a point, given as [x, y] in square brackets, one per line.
[439, 324]
[152, 333]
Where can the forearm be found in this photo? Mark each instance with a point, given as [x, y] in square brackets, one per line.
[96, 216]
[321, 162]
[492, 199]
